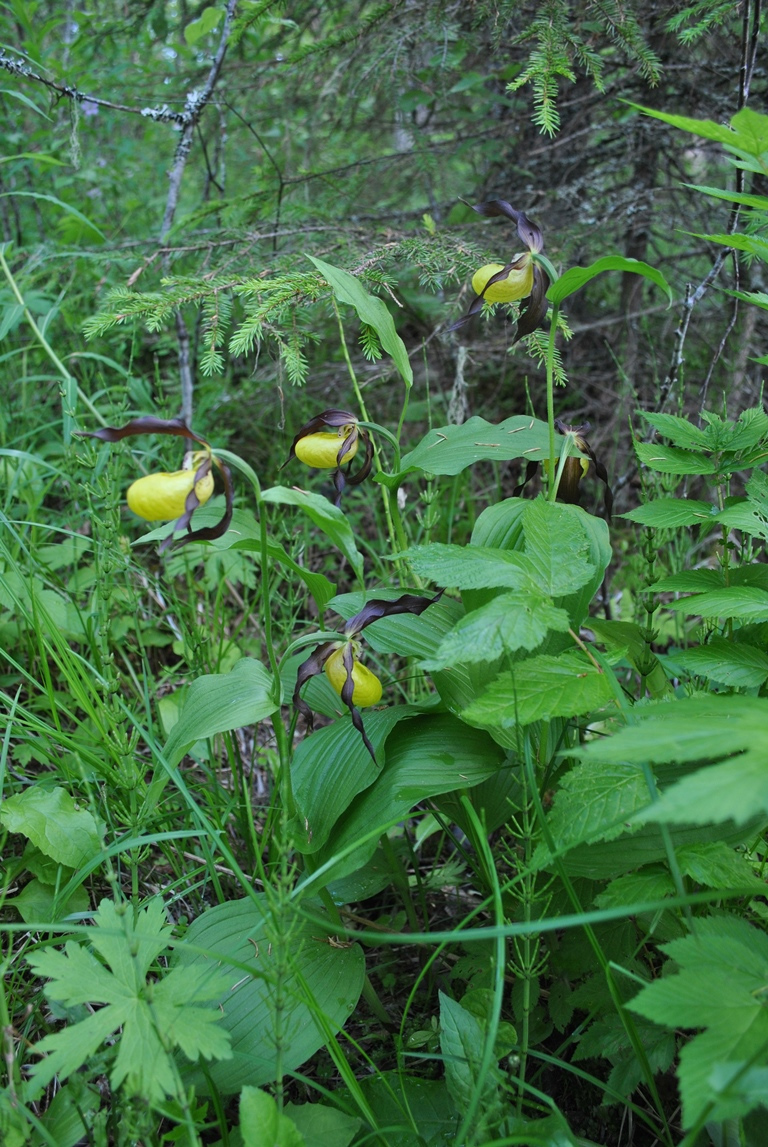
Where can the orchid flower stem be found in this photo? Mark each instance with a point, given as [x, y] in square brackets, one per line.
[396, 537]
[551, 483]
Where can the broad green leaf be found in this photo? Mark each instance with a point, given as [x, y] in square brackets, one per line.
[451, 449]
[690, 581]
[371, 310]
[509, 622]
[744, 602]
[262, 1125]
[39, 903]
[323, 1126]
[738, 665]
[631, 637]
[426, 756]
[332, 765]
[594, 802]
[205, 23]
[52, 821]
[550, 1132]
[671, 512]
[541, 688]
[472, 567]
[723, 968]
[575, 278]
[218, 702]
[282, 976]
[672, 460]
[327, 517]
[24, 100]
[760, 202]
[462, 1042]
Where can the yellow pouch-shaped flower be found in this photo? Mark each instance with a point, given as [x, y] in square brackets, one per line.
[161, 497]
[321, 450]
[367, 687]
[517, 285]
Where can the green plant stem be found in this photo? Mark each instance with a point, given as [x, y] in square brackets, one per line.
[69, 380]
[396, 535]
[551, 483]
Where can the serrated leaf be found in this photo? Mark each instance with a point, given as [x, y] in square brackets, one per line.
[594, 802]
[715, 865]
[636, 888]
[680, 431]
[720, 986]
[471, 567]
[557, 546]
[510, 622]
[747, 603]
[699, 729]
[541, 688]
[740, 666]
[52, 821]
[670, 512]
[575, 278]
[673, 460]
[370, 310]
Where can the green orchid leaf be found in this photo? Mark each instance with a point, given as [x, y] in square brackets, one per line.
[575, 278]
[371, 310]
[283, 979]
[218, 702]
[327, 517]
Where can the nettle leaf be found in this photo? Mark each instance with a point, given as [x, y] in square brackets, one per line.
[151, 1016]
[668, 512]
[672, 460]
[678, 430]
[594, 802]
[371, 310]
[715, 865]
[721, 660]
[557, 546]
[720, 986]
[471, 567]
[575, 278]
[748, 603]
[732, 730]
[541, 688]
[53, 822]
[636, 888]
[510, 622]
[744, 515]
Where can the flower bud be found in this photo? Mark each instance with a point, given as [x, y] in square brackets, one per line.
[321, 450]
[367, 687]
[517, 285]
[161, 497]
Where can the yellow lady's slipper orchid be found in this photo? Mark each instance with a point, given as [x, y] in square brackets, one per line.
[517, 285]
[321, 450]
[367, 687]
[160, 497]
[163, 496]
